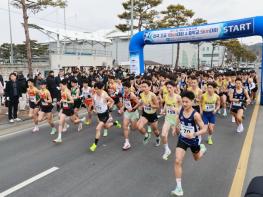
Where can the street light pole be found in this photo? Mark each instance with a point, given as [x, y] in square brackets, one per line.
[11, 37]
[132, 16]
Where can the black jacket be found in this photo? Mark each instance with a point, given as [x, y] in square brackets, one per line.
[9, 90]
[52, 87]
[1, 80]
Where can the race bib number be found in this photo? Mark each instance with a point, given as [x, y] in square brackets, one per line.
[127, 104]
[186, 130]
[237, 104]
[44, 103]
[171, 111]
[147, 108]
[99, 108]
[32, 98]
[65, 105]
[210, 107]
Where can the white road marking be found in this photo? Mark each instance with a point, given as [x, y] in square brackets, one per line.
[28, 181]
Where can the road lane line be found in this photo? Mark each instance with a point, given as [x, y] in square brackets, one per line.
[28, 181]
[241, 170]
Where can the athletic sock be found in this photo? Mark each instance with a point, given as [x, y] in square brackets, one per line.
[59, 135]
[179, 183]
[126, 140]
[166, 147]
[96, 141]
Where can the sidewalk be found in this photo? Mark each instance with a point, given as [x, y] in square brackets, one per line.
[4, 122]
[255, 163]
[6, 127]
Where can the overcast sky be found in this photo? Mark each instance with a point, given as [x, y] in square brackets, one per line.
[91, 15]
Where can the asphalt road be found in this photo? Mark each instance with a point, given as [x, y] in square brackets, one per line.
[111, 172]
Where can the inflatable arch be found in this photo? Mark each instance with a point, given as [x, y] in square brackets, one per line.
[215, 31]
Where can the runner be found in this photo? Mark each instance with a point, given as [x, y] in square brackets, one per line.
[197, 92]
[114, 92]
[231, 86]
[131, 114]
[210, 104]
[222, 92]
[46, 106]
[102, 102]
[172, 106]
[150, 104]
[190, 131]
[87, 93]
[238, 97]
[33, 96]
[75, 93]
[67, 104]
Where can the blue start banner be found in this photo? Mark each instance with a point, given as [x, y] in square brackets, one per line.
[205, 32]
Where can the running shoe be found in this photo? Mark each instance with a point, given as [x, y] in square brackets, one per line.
[149, 129]
[158, 141]
[58, 140]
[105, 132]
[117, 124]
[177, 192]
[53, 131]
[126, 146]
[80, 126]
[18, 119]
[93, 147]
[225, 114]
[166, 154]
[35, 129]
[203, 148]
[66, 126]
[146, 138]
[87, 122]
[240, 128]
[210, 141]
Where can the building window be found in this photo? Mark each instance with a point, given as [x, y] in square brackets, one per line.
[210, 55]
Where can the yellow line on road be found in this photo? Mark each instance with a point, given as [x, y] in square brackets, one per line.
[238, 181]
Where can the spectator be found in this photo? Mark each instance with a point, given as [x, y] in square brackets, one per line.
[38, 80]
[1, 89]
[51, 85]
[23, 87]
[12, 93]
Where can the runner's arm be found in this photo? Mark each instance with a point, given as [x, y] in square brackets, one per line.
[201, 125]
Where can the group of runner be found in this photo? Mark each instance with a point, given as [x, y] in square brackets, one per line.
[188, 101]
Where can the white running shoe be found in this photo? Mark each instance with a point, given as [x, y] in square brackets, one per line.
[241, 128]
[53, 131]
[18, 119]
[233, 119]
[58, 140]
[225, 114]
[126, 146]
[66, 126]
[11, 121]
[166, 154]
[35, 129]
[177, 192]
